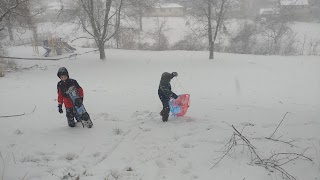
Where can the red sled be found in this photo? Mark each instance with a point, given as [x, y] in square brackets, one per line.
[179, 106]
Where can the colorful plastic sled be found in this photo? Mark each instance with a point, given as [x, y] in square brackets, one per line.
[179, 106]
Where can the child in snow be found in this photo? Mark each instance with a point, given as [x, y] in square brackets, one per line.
[46, 47]
[63, 97]
[165, 93]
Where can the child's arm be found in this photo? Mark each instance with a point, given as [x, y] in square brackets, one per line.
[60, 97]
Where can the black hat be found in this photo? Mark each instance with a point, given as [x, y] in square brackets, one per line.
[62, 71]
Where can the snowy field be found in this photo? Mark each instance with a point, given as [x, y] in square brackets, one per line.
[130, 142]
[175, 29]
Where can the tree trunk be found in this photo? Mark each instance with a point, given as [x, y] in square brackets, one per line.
[10, 32]
[140, 44]
[102, 52]
[9, 26]
[211, 50]
[211, 43]
[35, 33]
[140, 21]
[140, 16]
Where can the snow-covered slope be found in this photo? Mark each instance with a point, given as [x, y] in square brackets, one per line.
[129, 140]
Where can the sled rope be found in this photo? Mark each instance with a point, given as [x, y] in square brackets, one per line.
[179, 83]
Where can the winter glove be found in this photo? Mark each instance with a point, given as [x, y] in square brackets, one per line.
[174, 96]
[78, 102]
[60, 108]
[174, 74]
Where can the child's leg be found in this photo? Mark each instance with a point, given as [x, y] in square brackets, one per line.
[70, 117]
[165, 111]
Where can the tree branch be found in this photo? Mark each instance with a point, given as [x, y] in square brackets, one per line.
[22, 114]
[11, 8]
[278, 125]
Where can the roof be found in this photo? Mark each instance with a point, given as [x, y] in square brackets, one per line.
[168, 5]
[293, 2]
[54, 5]
[268, 11]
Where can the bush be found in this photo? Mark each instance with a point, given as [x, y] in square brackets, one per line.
[244, 41]
[7, 65]
[161, 42]
[128, 38]
[190, 43]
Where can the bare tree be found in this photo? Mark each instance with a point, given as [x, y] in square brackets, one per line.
[314, 47]
[100, 19]
[22, 16]
[275, 28]
[138, 8]
[158, 35]
[9, 8]
[244, 41]
[211, 14]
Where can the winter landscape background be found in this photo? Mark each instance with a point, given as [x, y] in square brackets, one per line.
[245, 110]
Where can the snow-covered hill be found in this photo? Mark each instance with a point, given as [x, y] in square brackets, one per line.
[129, 140]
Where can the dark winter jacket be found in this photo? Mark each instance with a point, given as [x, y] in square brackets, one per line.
[164, 90]
[63, 87]
[46, 44]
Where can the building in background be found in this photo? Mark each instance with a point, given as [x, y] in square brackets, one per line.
[167, 10]
[298, 9]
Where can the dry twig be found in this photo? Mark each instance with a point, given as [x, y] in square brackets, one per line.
[272, 164]
[22, 114]
[277, 140]
[278, 125]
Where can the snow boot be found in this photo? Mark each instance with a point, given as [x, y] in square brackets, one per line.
[164, 118]
[71, 122]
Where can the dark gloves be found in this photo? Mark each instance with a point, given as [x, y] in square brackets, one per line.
[174, 74]
[78, 102]
[174, 96]
[60, 108]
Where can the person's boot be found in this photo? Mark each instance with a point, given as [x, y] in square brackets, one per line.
[165, 118]
[71, 122]
[161, 113]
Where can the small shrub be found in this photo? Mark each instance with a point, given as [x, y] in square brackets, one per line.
[117, 131]
[113, 175]
[7, 65]
[189, 43]
[71, 156]
[244, 41]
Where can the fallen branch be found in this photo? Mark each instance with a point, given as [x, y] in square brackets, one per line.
[277, 140]
[83, 37]
[29, 67]
[318, 159]
[279, 125]
[22, 114]
[231, 144]
[24, 176]
[272, 164]
[251, 147]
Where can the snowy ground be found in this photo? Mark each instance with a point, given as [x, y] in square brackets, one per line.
[129, 140]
